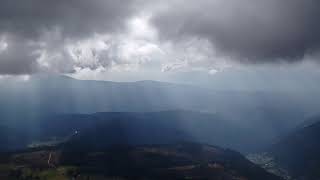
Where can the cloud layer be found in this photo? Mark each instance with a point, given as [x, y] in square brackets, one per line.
[36, 32]
[248, 30]
[74, 18]
[168, 35]
[16, 57]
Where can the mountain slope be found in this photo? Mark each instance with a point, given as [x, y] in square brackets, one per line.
[299, 152]
[147, 128]
[175, 161]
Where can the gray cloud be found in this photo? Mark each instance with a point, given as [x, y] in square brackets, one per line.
[18, 57]
[251, 31]
[36, 29]
[72, 17]
[39, 33]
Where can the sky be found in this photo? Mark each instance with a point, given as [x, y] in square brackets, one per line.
[190, 41]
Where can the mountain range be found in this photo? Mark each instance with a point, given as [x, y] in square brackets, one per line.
[28, 104]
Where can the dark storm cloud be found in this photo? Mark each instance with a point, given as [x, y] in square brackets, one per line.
[251, 31]
[72, 17]
[33, 21]
[18, 59]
